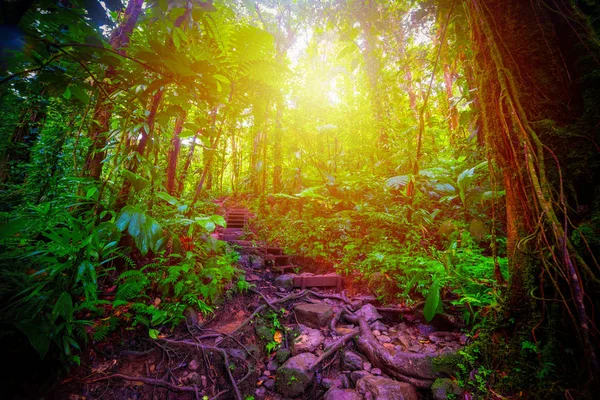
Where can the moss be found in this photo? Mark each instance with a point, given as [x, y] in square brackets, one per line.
[282, 355]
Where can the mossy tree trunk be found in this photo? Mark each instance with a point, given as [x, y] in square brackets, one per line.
[529, 62]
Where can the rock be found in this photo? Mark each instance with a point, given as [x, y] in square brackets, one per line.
[356, 375]
[191, 316]
[264, 333]
[244, 261]
[369, 313]
[386, 389]
[352, 361]
[194, 365]
[256, 262]
[367, 366]
[376, 371]
[379, 326]
[192, 378]
[345, 381]
[282, 355]
[295, 375]
[260, 393]
[273, 365]
[356, 304]
[308, 341]
[314, 315]
[328, 383]
[444, 388]
[269, 384]
[384, 339]
[376, 333]
[237, 353]
[285, 282]
[203, 381]
[342, 394]
[415, 348]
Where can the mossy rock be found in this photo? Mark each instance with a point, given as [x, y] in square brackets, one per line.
[282, 355]
[264, 333]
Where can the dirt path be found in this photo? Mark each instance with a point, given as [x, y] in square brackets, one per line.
[281, 339]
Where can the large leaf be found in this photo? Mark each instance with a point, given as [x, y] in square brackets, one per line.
[136, 180]
[398, 182]
[432, 302]
[39, 334]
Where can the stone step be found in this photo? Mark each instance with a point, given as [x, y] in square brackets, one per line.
[285, 268]
[237, 225]
[304, 281]
[278, 260]
[276, 251]
[233, 230]
[243, 243]
[231, 237]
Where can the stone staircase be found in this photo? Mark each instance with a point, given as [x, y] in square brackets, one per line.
[238, 232]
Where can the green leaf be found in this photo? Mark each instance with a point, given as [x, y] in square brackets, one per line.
[67, 93]
[186, 134]
[153, 333]
[432, 301]
[13, 227]
[222, 78]
[136, 180]
[63, 307]
[39, 334]
[123, 220]
[167, 197]
[218, 220]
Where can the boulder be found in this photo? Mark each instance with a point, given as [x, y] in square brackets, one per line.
[285, 282]
[295, 375]
[355, 376]
[308, 341]
[314, 315]
[352, 361]
[444, 388]
[386, 389]
[342, 394]
[368, 312]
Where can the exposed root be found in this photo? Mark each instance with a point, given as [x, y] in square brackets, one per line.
[335, 346]
[414, 368]
[222, 351]
[148, 381]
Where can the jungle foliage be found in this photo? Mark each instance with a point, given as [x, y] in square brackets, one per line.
[420, 148]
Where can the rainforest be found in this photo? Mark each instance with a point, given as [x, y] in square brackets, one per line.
[300, 199]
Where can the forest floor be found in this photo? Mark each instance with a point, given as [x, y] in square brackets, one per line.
[278, 341]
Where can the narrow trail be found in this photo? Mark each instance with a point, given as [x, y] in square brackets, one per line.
[292, 335]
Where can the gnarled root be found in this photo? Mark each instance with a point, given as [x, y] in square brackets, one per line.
[414, 368]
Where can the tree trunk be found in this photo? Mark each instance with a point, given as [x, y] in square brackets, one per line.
[123, 194]
[186, 167]
[98, 132]
[174, 155]
[519, 86]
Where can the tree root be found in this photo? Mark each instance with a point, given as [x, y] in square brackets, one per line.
[148, 381]
[335, 346]
[220, 350]
[414, 368]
